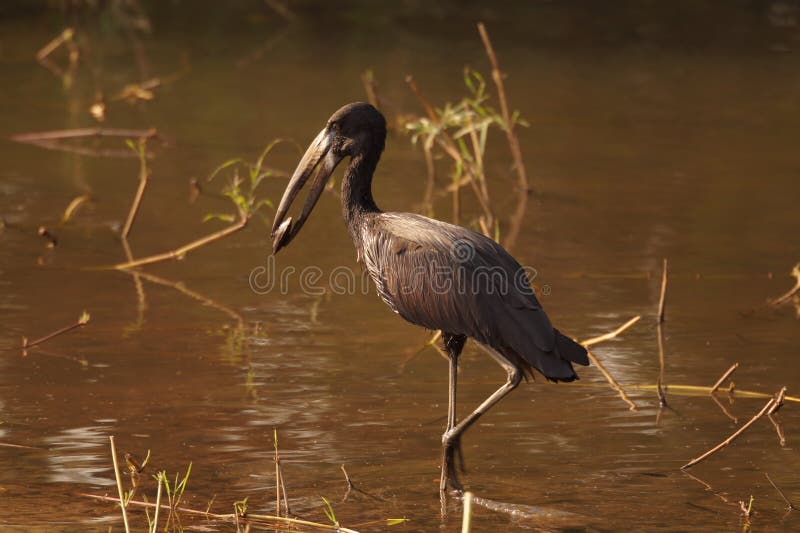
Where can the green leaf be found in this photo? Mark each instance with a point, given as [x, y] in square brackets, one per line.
[265, 152]
[329, 511]
[219, 216]
[395, 521]
[223, 166]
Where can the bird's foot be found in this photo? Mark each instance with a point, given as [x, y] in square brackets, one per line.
[452, 464]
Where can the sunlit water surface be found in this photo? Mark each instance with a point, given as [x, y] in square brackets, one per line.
[654, 133]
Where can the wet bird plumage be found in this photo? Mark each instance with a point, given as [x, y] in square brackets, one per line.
[429, 271]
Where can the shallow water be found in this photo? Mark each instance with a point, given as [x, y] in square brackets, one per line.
[654, 133]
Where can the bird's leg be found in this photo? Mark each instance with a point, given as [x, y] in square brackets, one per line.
[452, 437]
[453, 344]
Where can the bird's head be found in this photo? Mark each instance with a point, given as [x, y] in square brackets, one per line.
[352, 130]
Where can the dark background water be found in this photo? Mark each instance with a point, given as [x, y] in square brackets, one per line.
[657, 130]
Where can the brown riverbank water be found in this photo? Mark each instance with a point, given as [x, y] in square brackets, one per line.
[655, 132]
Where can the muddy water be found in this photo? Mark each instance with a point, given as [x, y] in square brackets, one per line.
[653, 134]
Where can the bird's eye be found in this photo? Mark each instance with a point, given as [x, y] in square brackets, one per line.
[334, 127]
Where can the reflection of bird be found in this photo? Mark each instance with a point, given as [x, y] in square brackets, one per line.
[433, 274]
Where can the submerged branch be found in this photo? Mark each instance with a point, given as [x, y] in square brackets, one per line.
[735, 434]
[180, 252]
[614, 384]
[82, 321]
[783, 496]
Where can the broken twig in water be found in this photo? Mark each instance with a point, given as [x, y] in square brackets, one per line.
[778, 401]
[734, 435]
[140, 148]
[780, 300]
[611, 335]
[614, 383]
[662, 300]
[78, 133]
[725, 376]
[180, 252]
[250, 518]
[662, 304]
[82, 321]
[788, 502]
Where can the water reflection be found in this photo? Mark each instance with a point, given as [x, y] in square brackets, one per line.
[645, 142]
[80, 455]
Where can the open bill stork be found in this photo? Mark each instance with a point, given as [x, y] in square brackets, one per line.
[437, 275]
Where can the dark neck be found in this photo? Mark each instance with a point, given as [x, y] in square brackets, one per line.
[357, 202]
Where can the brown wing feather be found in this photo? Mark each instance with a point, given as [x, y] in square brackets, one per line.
[442, 276]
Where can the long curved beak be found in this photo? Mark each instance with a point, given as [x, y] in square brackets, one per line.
[283, 231]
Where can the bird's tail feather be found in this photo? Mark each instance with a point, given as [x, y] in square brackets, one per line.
[570, 350]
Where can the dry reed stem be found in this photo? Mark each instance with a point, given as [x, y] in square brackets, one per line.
[81, 133]
[466, 518]
[157, 507]
[119, 483]
[778, 401]
[180, 252]
[724, 376]
[513, 141]
[82, 321]
[699, 390]
[780, 300]
[662, 300]
[230, 516]
[66, 35]
[144, 174]
[20, 446]
[732, 437]
[277, 473]
[611, 335]
[614, 384]
[447, 144]
[73, 207]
